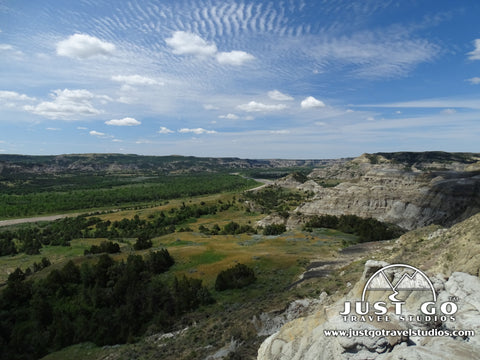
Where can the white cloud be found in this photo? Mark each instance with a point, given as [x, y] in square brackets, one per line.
[14, 96]
[229, 117]
[310, 103]
[443, 103]
[197, 131]
[280, 132]
[475, 54]
[277, 95]
[320, 123]
[449, 111]
[127, 121]
[370, 118]
[135, 80]
[66, 104]
[254, 106]
[84, 46]
[9, 49]
[185, 43]
[97, 133]
[164, 130]
[235, 57]
[210, 107]
[81, 128]
[52, 129]
[5, 47]
[474, 80]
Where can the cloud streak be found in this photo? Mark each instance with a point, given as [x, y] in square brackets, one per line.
[197, 131]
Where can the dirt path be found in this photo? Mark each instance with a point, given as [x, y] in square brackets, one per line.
[35, 219]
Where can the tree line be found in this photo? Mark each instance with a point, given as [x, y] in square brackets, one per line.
[164, 188]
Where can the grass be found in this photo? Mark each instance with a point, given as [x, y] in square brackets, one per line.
[80, 352]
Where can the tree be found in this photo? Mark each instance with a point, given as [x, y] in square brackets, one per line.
[159, 261]
[143, 242]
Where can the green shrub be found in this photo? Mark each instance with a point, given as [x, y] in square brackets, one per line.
[236, 277]
[274, 229]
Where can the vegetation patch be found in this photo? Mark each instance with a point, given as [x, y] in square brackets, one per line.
[368, 229]
[31, 203]
[207, 257]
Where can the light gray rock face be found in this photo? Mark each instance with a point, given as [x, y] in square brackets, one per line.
[305, 338]
[392, 193]
[269, 323]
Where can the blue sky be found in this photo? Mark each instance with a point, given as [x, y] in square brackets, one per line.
[251, 79]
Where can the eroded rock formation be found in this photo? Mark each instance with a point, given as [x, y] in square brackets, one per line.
[409, 194]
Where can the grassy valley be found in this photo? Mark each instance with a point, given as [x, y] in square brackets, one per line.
[201, 217]
[134, 271]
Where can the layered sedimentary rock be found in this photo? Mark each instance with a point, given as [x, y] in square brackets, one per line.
[410, 195]
[305, 338]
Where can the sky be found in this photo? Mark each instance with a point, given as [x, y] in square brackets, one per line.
[294, 79]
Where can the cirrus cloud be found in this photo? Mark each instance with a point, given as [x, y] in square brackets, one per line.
[84, 46]
[127, 121]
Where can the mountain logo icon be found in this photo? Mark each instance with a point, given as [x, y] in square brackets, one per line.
[396, 278]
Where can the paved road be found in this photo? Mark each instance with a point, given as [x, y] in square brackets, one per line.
[35, 219]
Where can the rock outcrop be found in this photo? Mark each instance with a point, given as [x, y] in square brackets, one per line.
[409, 194]
[306, 338]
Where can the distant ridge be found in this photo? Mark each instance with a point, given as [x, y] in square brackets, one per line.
[113, 163]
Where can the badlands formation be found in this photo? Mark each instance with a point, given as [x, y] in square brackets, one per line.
[437, 196]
